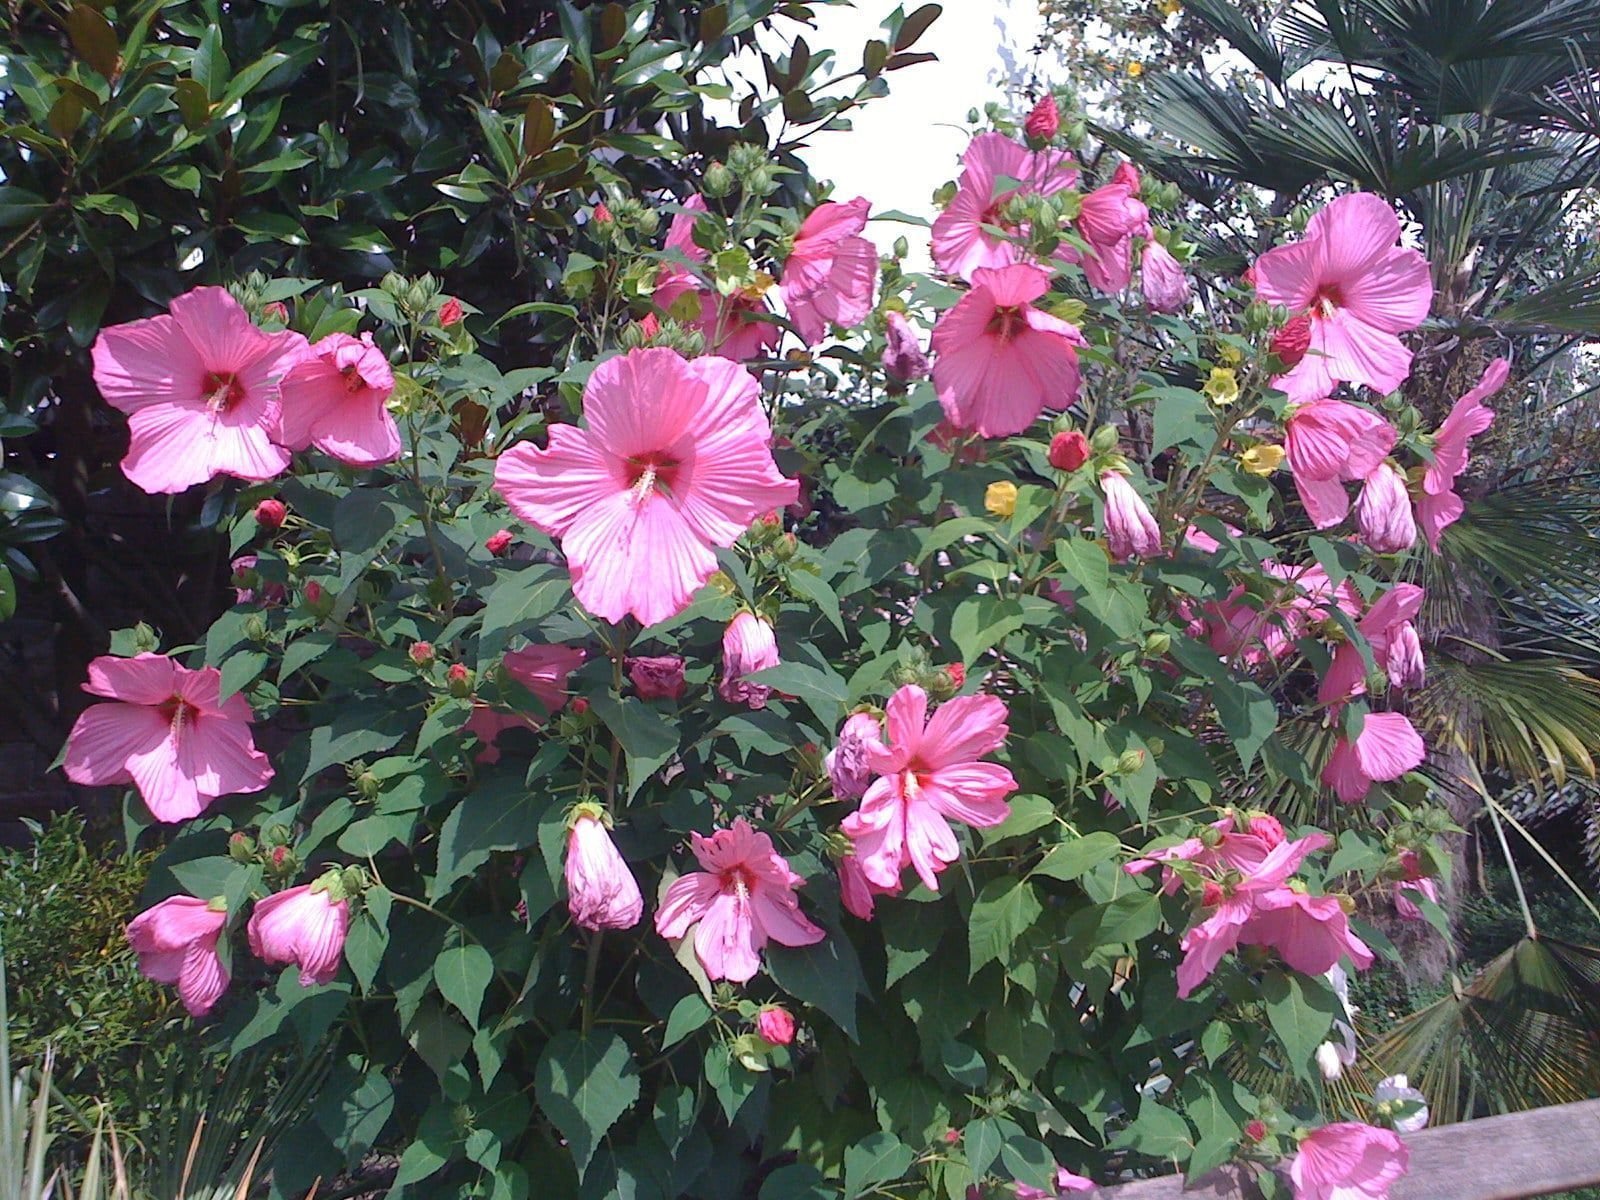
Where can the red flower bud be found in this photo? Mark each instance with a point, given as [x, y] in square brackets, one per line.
[952, 1136]
[457, 673]
[1255, 1131]
[1068, 451]
[449, 312]
[277, 310]
[650, 326]
[958, 675]
[1211, 894]
[270, 513]
[580, 706]
[421, 653]
[278, 854]
[313, 593]
[602, 214]
[1292, 341]
[498, 543]
[1045, 119]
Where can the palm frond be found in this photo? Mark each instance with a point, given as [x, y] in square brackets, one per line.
[1524, 1033]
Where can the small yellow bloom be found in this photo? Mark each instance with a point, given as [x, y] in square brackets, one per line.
[1230, 354]
[1001, 498]
[1135, 69]
[1223, 386]
[1171, 8]
[1262, 460]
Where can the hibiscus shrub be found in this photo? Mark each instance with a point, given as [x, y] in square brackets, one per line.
[695, 769]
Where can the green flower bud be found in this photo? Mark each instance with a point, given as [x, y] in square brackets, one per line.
[241, 847]
[144, 639]
[1157, 644]
[1130, 762]
[718, 181]
[1104, 440]
[255, 629]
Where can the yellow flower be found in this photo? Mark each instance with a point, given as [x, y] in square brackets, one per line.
[1223, 386]
[1230, 354]
[1001, 498]
[1171, 7]
[1262, 460]
[1135, 69]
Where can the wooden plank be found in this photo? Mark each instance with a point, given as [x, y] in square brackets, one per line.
[1497, 1158]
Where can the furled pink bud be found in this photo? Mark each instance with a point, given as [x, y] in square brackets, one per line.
[1267, 829]
[306, 926]
[1383, 512]
[421, 653]
[316, 598]
[1255, 1131]
[275, 310]
[1130, 528]
[775, 1026]
[580, 705]
[449, 313]
[903, 355]
[176, 942]
[1166, 287]
[657, 677]
[650, 325]
[459, 679]
[1292, 341]
[1210, 894]
[957, 674]
[1068, 451]
[1044, 122]
[846, 763]
[270, 513]
[952, 1136]
[601, 891]
[748, 646]
[602, 214]
[498, 543]
[1404, 664]
[1128, 176]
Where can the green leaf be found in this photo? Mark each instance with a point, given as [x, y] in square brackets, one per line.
[649, 738]
[798, 1181]
[1003, 910]
[1085, 563]
[584, 1084]
[1182, 418]
[368, 938]
[815, 589]
[503, 814]
[981, 622]
[826, 974]
[241, 670]
[1247, 713]
[687, 1015]
[1300, 1010]
[982, 1141]
[1068, 860]
[8, 594]
[519, 599]
[463, 974]
[1158, 1132]
[875, 1160]
[824, 692]
[356, 730]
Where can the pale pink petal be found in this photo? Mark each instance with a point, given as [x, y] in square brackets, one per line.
[169, 790]
[172, 448]
[1354, 230]
[549, 488]
[1205, 946]
[1436, 513]
[961, 729]
[220, 756]
[106, 737]
[147, 362]
[1346, 677]
[202, 979]
[973, 793]
[727, 942]
[1389, 746]
[220, 329]
[680, 234]
[930, 843]
[905, 716]
[1359, 353]
[686, 901]
[1344, 775]
[143, 679]
[1392, 293]
[642, 402]
[643, 559]
[777, 914]
[1325, 500]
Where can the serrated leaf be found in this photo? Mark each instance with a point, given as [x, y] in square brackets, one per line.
[826, 974]
[689, 1014]
[1068, 860]
[520, 598]
[1003, 910]
[1301, 1011]
[875, 1160]
[584, 1083]
[981, 622]
[463, 974]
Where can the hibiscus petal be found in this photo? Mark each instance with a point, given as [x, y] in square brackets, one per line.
[107, 737]
[142, 679]
[1389, 746]
[549, 488]
[1361, 353]
[777, 915]
[963, 729]
[931, 844]
[147, 362]
[1325, 500]
[906, 716]
[1355, 231]
[973, 793]
[202, 979]
[727, 942]
[169, 791]
[172, 448]
[220, 330]
[221, 757]
[686, 902]
[636, 558]
[1392, 293]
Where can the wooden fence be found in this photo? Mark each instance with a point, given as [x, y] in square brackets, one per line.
[1496, 1158]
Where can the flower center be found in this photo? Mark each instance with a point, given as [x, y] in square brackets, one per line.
[178, 713]
[739, 882]
[649, 473]
[353, 382]
[1007, 322]
[222, 390]
[1329, 297]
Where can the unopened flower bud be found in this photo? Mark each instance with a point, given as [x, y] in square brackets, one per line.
[421, 654]
[1255, 1131]
[1000, 498]
[270, 513]
[498, 543]
[241, 847]
[1289, 344]
[1068, 451]
[1105, 439]
[775, 1025]
[580, 706]
[449, 313]
[1157, 644]
[367, 786]
[1130, 762]
[317, 599]
[276, 311]
[460, 680]
[718, 181]
[255, 629]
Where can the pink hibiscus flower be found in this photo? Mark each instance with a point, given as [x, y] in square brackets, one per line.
[1383, 511]
[672, 461]
[1388, 747]
[1206, 944]
[305, 926]
[601, 892]
[1111, 217]
[1161, 278]
[1227, 849]
[1395, 649]
[832, 272]
[1440, 507]
[334, 398]
[964, 237]
[1310, 933]
[748, 646]
[200, 387]
[1000, 362]
[543, 670]
[858, 893]
[1328, 443]
[168, 733]
[1348, 1161]
[176, 942]
[743, 896]
[1130, 527]
[930, 774]
[1360, 289]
